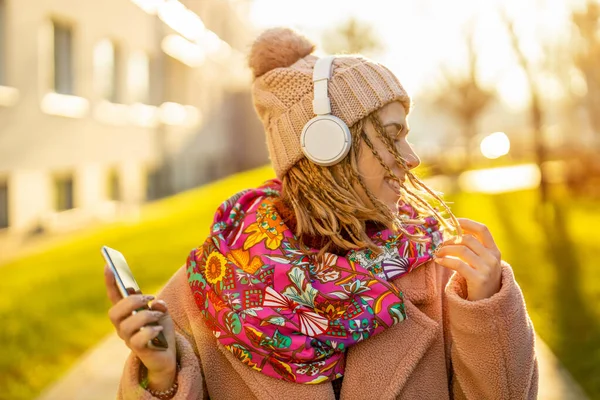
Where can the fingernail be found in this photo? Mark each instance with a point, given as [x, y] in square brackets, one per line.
[158, 313]
[162, 302]
[157, 328]
[147, 298]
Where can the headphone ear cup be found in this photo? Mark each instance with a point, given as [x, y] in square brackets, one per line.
[326, 140]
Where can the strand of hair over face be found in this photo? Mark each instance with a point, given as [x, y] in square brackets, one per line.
[327, 205]
[422, 198]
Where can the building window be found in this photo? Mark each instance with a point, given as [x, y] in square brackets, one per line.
[63, 58]
[3, 204]
[106, 70]
[138, 77]
[152, 184]
[63, 192]
[156, 71]
[114, 186]
[175, 81]
[2, 42]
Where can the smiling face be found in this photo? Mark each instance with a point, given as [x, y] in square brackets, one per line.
[374, 176]
[335, 202]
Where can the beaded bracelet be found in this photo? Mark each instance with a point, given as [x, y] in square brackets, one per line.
[164, 394]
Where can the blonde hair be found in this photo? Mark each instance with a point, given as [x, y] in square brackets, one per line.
[327, 205]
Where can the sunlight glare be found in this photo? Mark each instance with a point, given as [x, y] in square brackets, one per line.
[500, 180]
[185, 51]
[181, 19]
[420, 37]
[149, 6]
[495, 145]
[65, 105]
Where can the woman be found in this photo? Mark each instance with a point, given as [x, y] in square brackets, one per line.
[332, 281]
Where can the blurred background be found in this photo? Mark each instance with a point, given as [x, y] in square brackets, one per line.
[126, 123]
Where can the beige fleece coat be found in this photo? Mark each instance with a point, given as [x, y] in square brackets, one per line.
[448, 348]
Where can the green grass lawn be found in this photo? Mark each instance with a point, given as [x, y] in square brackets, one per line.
[557, 266]
[53, 304]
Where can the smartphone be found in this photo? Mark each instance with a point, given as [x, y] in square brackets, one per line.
[128, 286]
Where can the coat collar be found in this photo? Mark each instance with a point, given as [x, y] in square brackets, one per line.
[391, 357]
[420, 286]
[388, 358]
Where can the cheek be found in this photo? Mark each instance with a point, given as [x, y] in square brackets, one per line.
[371, 172]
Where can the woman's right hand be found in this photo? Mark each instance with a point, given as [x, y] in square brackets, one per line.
[160, 364]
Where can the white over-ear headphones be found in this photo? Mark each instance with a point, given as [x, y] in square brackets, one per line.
[325, 139]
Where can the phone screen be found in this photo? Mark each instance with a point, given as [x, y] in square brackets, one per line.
[124, 276]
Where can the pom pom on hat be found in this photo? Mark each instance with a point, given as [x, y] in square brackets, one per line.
[277, 48]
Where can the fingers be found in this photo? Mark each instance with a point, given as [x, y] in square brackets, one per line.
[468, 241]
[460, 249]
[459, 266]
[482, 233]
[463, 253]
[131, 325]
[138, 342]
[111, 286]
[126, 306]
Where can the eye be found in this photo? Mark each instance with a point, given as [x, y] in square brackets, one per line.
[395, 131]
[398, 134]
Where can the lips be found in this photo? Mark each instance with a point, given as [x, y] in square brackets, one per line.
[394, 185]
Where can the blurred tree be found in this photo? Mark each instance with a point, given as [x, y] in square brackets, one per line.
[535, 105]
[587, 56]
[352, 37]
[465, 98]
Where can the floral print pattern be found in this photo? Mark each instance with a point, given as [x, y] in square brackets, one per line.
[287, 311]
[215, 267]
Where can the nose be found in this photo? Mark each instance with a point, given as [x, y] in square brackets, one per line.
[407, 152]
[412, 161]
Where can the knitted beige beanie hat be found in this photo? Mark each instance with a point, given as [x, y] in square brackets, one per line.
[282, 64]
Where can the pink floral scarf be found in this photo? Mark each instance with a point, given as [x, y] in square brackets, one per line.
[289, 314]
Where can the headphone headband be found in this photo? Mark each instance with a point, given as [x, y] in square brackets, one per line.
[325, 139]
[321, 76]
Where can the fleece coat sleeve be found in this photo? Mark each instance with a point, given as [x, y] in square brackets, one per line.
[492, 342]
[190, 377]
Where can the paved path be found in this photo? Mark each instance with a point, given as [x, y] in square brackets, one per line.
[555, 382]
[96, 376]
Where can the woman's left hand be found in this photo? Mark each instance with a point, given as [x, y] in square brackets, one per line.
[476, 257]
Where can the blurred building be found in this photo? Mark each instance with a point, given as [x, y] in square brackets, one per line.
[104, 105]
